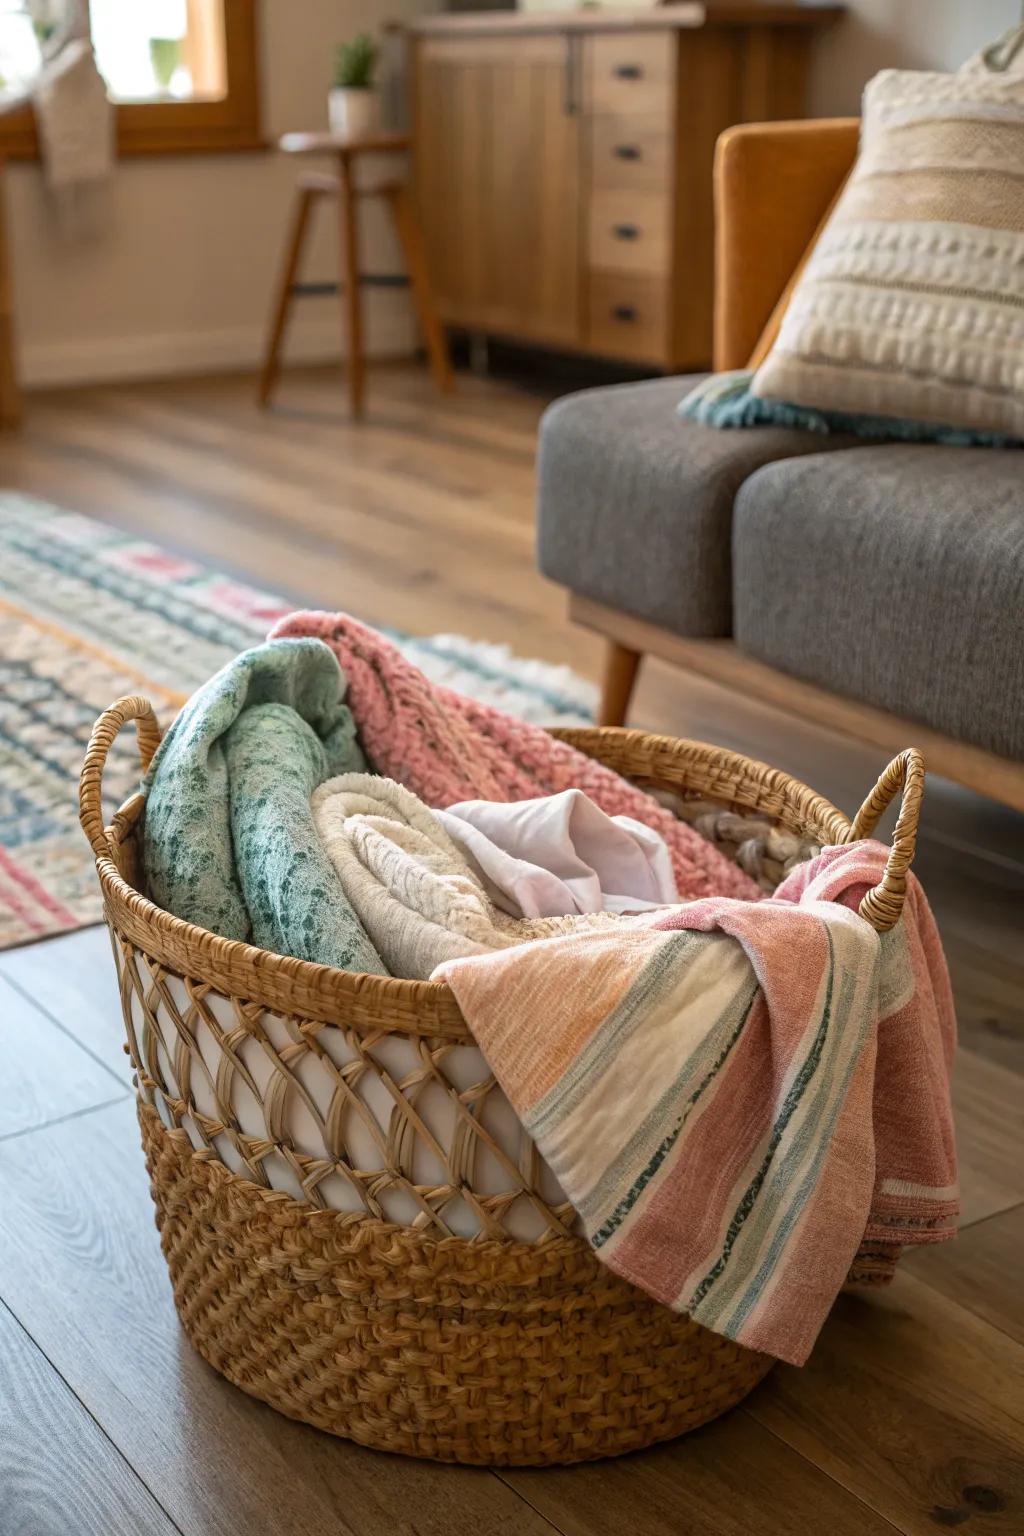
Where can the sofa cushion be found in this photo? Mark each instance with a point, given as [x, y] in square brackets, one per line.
[894, 575]
[635, 504]
[909, 305]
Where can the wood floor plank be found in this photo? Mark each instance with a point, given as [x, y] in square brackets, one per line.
[406, 595]
[367, 528]
[76, 1222]
[989, 987]
[452, 471]
[351, 505]
[72, 979]
[59, 1474]
[376, 496]
[989, 1109]
[915, 1406]
[991, 920]
[981, 1271]
[46, 1074]
[732, 1478]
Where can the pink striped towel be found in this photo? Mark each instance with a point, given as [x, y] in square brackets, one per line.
[447, 748]
[747, 1103]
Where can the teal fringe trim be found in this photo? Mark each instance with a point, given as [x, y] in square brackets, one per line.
[726, 401]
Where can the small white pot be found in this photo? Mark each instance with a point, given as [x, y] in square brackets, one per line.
[353, 114]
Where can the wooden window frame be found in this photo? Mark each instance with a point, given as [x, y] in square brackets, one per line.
[230, 125]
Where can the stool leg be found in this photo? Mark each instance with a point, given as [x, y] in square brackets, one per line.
[10, 397]
[282, 304]
[351, 294]
[410, 238]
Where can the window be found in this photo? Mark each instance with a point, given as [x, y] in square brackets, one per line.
[166, 50]
[19, 49]
[181, 72]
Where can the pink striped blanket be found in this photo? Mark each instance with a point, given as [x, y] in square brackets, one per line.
[447, 748]
[747, 1103]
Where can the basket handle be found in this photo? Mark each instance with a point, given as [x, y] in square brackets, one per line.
[90, 783]
[882, 905]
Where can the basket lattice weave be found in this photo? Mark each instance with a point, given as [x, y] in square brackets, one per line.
[389, 1297]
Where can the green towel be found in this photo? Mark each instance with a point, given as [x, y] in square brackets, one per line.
[229, 841]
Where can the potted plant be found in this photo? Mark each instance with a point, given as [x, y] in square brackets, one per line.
[353, 104]
[165, 56]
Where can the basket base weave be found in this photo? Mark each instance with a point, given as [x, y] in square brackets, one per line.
[496, 1353]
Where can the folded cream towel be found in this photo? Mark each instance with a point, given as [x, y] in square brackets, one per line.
[414, 891]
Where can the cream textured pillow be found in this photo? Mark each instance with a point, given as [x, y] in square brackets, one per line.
[912, 304]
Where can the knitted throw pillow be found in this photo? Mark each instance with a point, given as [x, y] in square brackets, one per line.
[912, 303]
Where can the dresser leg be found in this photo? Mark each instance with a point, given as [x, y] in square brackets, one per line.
[352, 297]
[411, 240]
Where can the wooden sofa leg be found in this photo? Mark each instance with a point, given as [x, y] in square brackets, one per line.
[621, 666]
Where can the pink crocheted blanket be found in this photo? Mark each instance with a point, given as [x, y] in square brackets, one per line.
[447, 748]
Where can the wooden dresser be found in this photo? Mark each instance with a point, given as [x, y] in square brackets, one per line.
[563, 164]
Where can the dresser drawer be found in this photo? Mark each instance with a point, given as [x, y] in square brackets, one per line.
[629, 231]
[633, 152]
[627, 316]
[629, 73]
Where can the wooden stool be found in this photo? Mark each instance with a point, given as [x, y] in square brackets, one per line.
[312, 187]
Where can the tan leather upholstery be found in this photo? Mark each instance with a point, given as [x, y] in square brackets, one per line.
[774, 185]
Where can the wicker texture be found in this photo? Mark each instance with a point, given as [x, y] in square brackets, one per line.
[395, 1301]
[882, 906]
[403, 1129]
[497, 1353]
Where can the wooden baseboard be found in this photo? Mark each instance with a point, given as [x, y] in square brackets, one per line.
[1001, 778]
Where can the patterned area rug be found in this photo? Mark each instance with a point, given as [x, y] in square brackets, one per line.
[88, 614]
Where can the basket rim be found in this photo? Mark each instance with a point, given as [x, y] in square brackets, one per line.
[322, 994]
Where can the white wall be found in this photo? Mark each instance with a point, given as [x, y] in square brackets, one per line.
[176, 275]
[905, 34]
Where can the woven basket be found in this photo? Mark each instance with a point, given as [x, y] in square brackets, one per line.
[395, 1302]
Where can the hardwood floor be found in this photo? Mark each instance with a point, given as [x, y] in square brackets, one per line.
[909, 1416]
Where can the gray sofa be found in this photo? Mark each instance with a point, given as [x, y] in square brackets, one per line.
[887, 580]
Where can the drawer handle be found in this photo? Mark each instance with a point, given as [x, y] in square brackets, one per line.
[624, 312]
[625, 232]
[628, 72]
[627, 152]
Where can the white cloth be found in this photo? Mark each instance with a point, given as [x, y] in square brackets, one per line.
[561, 854]
[75, 118]
[413, 890]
